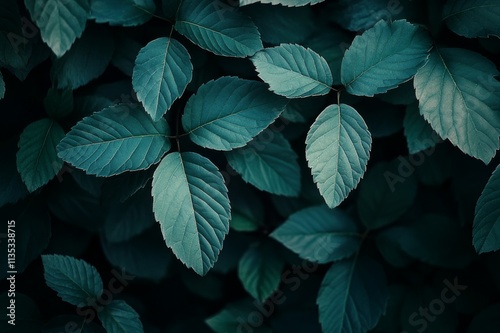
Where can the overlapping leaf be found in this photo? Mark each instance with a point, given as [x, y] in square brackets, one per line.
[473, 18]
[119, 317]
[125, 13]
[419, 134]
[289, 3]
[117, 139]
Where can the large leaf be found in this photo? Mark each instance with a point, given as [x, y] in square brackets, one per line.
[61, 22]
[486, 229]
[460, 97]
[289, 3]
[293, 71]
[337, 150]
[319, 234]
[473, 18]
[117, 139]
[75, 281]
[190, 201]
[353, 296]
[119, 317]
[383, 57]
[223, 32]
[119, 12]
[269, 163]
[37, 160]
[228, 112]
[162, 72]
[259, 270]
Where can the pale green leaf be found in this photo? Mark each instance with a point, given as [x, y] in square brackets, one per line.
[486, 228]
[126, 13]
[37, 160]
[162, 72]
[228, 112]
[337, 150]
[119, 317]
[61, 22]
[223, 32]
[74, 280]
[383, 57]
[117, 139]
[473, 18]
[460, 97]
[191, 204]
[319, 234]
[293, 71]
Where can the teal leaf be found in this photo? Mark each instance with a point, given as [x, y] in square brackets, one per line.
[419, 134]
[126, 13]
[117, 139]
[293, 71]
[191, 204]
[94, 49]
[473, 18]
[223, 32]
[119, 317]
[61, 22]
[383, 57]
[37, 160]
[58, 104]
[289, 3]
[259, 270]
[2, 86]
[352, 296]
[319, 234]
[269, 163]
[460, 97]
[74, 280]
[486, 228]
[337, 150]
[228, 112]
[162, 72]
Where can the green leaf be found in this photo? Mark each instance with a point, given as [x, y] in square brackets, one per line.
[383, 57]
[126, 13]
[117, 139]
[289, 3]
[460, 97]
[352, 296]
[61, 22]
[385, 194]
[94, 49]
[58, 104]
[119, 317]
[2, 86]
[473, 18]
[223, 32]
[419, 134]
[37, 160]
[337, 150]
[486, 228]
[269, 163]
[191, 204]
[259, 270]
[162, 72]
[74, 280]
[319, 234]
[228, 112]
[293, 71]
[122, 187]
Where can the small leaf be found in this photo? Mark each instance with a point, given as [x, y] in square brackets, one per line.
[460, 97]
[74, 280]
[125, 13]
[117, 139]
[473, 18]
[352, 296]
[259, 270]
[223, 32]
[486, 228]
[383, 57]
[119, 317]
[191, 204]
[293, 71]
[61, 22]
[37, 160]
[419, 134]
[228, 112]
[269, 163]
[319, 234]
[337, 150]
[289, 3]
[162, 72]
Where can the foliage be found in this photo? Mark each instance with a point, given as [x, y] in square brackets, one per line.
[250, 166]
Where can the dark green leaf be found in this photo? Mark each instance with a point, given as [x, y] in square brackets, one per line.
[419, 134]
[473, 18]
[126, 13]
[119, 317]
[58, 104]
[290, 3]
[486, 321]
